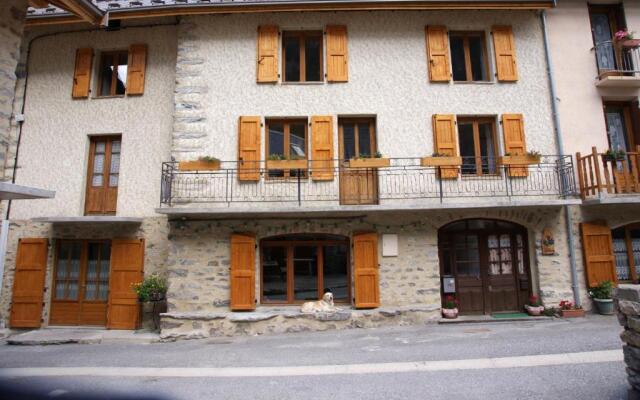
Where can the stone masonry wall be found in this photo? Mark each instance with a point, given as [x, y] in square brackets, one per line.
[627, 305]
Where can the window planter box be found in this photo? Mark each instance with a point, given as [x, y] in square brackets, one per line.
[519, 160]
[629, 43]
[199, 165]
[572, 313]
[369, 163]
[286, 164]
[441, 161]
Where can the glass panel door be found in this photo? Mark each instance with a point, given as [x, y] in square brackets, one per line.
[602, 36]
[305, 273]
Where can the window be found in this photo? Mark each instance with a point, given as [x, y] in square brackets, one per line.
[298, 268]
[606, 20]
[477, 146]
[82, 270]
[113, 73]
[619, 117]
[468, 56]
[287, 139]
[302, 55]
[103, 175]
[626, 249]
[357, 138]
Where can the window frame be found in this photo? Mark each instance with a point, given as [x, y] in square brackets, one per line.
[630, 126]
[372, 135]
[476, 121]
[465, 35]
[106, 171]
[302, 35]
[114, 73]
[286, 124]
[629, 250]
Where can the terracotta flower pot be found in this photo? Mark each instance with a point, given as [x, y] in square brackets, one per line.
[575, 313]
[630, 43]
[534, 311]
[450, 313]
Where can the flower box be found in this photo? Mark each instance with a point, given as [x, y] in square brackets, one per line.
[199, 165]
[286, 164]
[369, 162]
[524, 159]
[441, 161]
[630, 43]
[575, 313]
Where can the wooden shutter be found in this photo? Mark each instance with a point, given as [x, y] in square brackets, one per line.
[249, 149]
[82, 73]
[243, 272]
[514, 140]
[365, 270]
[136, 68]
[322, 148]
[267, 54]
[127, 268]
[597, 249]
[337, 54]
[438, 54]
[505, 49]
[445, 141]
[28, 283]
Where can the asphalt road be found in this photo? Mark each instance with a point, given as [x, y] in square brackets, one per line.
[389, 363]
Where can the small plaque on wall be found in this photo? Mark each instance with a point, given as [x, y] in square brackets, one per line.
[449, 284]
[389, 245]
[548, 243]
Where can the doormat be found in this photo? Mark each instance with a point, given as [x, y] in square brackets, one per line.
[510, 315]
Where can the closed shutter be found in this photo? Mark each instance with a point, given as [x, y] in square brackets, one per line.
[504, 47]
[28, 283]
[337, 54]
[438, 54]
[243, 272]
[249, 149]
[82, 73]
[127, 268]
[267, 54]
[136, 68]
[597, 249]
[514, 141]
[445, 141]
[365, 270]
[322, 148]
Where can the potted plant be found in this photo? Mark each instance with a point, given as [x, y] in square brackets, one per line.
[152, 300]
[450, 307]
[569, 310]
[204, 163]
[614, 155]
[601, 296]
[280, 161]
[531, 157]
[625, 39]
[535, 307]
[441, 160]
[369, 161]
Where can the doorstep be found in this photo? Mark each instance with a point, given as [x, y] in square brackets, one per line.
[50, 336]
[478, 319]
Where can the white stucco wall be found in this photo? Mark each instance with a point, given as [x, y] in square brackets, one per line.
[388, 79]
[55, 143]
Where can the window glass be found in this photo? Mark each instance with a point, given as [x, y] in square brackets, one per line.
[458, 64]
[467, 147]
[487, 148]
[364, 140]
[313, 58]
[467, 255]
[297, 140]
[274, 270]
[106, 74]
[478, 64]
[305, 273]
[616, 128]
[292, 58]
[276, 138]
[349, 140]
[335, 271]
[113, 73]
[620, 254]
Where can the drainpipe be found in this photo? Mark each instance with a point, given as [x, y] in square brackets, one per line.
[575, 285]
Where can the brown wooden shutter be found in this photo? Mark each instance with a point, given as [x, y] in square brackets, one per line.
[136, 68]
[127, 268]
[28, 283]
[267, 54]
[322, 148]
[249, 149]
[337, 54]
[365, 270]
[438, 54]
[445, 141]
[514, 140]
[243, 272]
[505, 49]
[597, 249]
[82, 73]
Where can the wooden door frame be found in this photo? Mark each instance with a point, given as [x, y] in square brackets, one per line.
[105, 171]
[343, 164]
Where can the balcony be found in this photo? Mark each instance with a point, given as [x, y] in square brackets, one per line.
[618, 65]
[609, 178]
[402, 185]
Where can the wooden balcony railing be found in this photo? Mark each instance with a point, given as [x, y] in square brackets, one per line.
[600, 174]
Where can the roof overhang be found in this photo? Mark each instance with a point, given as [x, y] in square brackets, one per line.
[90, 219]
[80, 10]
[11, 191]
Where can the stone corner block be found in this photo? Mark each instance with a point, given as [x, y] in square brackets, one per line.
[627, 292]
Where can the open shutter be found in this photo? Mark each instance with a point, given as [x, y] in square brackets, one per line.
[365, 270]
[322, 148]
[267, 53]
[438, 54]
[136, 68]
[82, 73]
[127, 268]
[597, 249]
[514, 141]
[28, 283]
[505, 49]
[337, 54]
[243, 272]
[445, 141]
[249, 149]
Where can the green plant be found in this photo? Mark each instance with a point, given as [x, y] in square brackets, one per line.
[603, 291]
[377, 155]
[534, 301]
[533, 153]
[208, 159]
[549, 311]
[296, 157]
[450, 302]
[436, 154]
[508, 154]
[276, 157]
[614, 154]
[152, 288]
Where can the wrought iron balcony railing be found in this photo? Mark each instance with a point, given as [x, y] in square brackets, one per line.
[611, 173]
[617, 59]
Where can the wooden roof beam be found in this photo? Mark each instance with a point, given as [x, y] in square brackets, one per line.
[83, 9]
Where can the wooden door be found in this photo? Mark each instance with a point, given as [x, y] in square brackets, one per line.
[365, 270]
[357, 185]
[620, 132]
[127, 268]
[597, 250]
[28, 283]
[469, 283]
[243, 272]
[103, 174]
[501, 288]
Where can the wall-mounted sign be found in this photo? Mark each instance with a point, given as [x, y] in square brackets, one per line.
[389, 245]
[548, 243]
[449, 284]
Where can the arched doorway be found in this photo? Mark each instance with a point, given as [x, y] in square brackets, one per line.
[485, 264]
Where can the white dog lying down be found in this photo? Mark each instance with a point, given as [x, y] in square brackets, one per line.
[323, 305]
